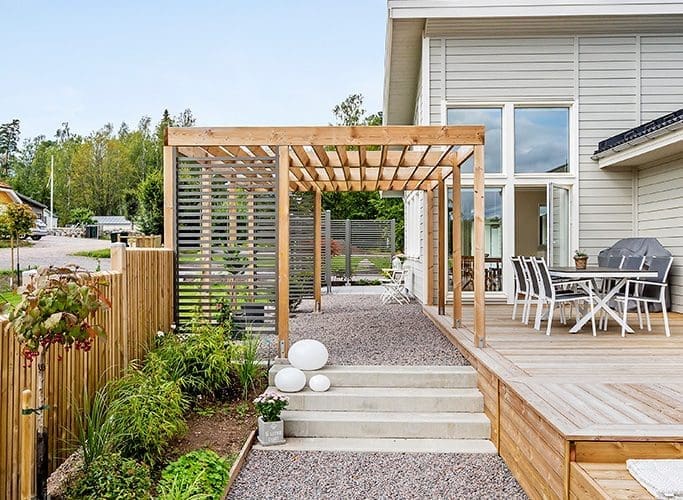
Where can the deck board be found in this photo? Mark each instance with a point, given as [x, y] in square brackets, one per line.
[600, 388]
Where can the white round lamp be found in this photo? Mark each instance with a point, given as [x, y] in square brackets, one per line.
[319, 383]
[290, 379]
[308, 355]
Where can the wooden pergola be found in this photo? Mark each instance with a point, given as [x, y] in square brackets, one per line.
[329, 159]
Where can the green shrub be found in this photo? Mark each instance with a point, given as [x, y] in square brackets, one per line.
[111, 477]
[201, 360]
[249, 370]
[146, 412]
[198, 474]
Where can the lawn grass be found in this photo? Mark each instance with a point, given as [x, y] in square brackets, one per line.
[103, 253]
[9, 298]
[338, 262]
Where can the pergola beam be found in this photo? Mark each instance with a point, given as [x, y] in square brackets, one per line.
[326, 136]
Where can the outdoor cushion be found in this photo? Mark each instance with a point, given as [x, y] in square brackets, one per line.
[662, 478]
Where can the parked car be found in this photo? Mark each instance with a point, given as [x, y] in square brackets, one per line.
[39, 230]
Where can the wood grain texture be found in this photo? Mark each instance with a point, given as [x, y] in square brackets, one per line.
[130, 326]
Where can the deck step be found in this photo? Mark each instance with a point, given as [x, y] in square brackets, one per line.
[386, 445]
[388, 399]
[452, 377]
[354, 424]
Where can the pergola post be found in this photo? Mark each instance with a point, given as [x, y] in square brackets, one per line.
[282, 238]
[479, 257]
[317, 250]
[429, 246]
[457, 247]
[169, 197]
[441, 252]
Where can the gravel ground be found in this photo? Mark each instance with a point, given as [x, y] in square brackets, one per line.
[312, 474]
[360, 330]
[55, 251]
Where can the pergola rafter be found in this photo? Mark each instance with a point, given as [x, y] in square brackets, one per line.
[330, 159]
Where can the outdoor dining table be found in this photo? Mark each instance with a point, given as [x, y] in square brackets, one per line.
[616, 276]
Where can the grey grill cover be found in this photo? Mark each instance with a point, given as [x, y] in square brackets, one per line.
[648, 247]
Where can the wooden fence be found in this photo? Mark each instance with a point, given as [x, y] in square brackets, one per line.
[140, 287]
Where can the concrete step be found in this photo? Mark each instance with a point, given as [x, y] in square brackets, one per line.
[386, 445]
[354, 424]
[385, 399]
[393, 376]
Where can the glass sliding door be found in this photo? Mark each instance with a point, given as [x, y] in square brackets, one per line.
[493, 235]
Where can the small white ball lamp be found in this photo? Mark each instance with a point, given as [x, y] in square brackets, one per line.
[290, 379]
[319, 383]
[308, 354]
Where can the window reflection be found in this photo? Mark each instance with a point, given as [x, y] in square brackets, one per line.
[541, 140]
[492, 119]
[493, 234]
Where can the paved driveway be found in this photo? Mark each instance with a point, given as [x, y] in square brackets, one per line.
[56, 250]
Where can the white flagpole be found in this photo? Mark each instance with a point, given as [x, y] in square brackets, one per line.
[52, 191]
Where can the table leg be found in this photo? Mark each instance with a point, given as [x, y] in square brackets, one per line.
[603, 303]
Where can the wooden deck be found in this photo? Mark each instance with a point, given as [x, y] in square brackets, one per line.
[574, 397]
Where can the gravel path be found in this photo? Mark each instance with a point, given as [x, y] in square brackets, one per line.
[360, 330]
[311, 474]
[55, 251]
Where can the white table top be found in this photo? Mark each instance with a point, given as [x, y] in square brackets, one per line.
[600, 272]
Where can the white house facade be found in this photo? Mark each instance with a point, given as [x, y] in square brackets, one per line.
[549, 82]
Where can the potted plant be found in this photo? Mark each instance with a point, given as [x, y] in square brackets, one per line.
[271, 429]
[580, 259]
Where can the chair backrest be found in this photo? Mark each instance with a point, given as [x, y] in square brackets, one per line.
[614, 261]
[633, 262]
[547, 289]
[520, 278]
[662, 265]
[527, 262]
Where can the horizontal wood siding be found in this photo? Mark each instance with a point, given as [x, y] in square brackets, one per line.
[661, 63]
[607, 106]
[660, 212]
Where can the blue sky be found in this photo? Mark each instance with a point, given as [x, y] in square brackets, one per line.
[266, 62]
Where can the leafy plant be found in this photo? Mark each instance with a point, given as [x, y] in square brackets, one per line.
[200, 472]
[112, 477]
[270, 404]
[200, 360]
[81, 216]
[242, 409]
[147, 412]
[151, 203]
[249, 370]
[580, 254]
[55, 310]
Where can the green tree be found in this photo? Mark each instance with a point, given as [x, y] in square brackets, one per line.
[16, 221]
[81, 216]
[9, 142]
[151, 204]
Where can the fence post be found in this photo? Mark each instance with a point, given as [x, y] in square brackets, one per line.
[328, 250]
[118, 264]
[392, 235]
[347, 227]
[27, 445]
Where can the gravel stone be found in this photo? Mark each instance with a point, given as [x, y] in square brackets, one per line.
[315, 474]
[360, 330]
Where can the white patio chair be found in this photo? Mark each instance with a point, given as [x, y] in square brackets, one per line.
[393, 289]
[549, 294]
[636, 291]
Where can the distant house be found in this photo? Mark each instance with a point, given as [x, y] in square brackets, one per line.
[8, 196]
[109, 223]
[37, 207]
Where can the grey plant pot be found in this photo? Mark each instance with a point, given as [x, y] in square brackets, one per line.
[271, 433]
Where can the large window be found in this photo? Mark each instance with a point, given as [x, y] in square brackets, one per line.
[541, 140]
[493, 233]
[492, 119]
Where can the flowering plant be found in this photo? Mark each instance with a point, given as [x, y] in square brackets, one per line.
[270, 404]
